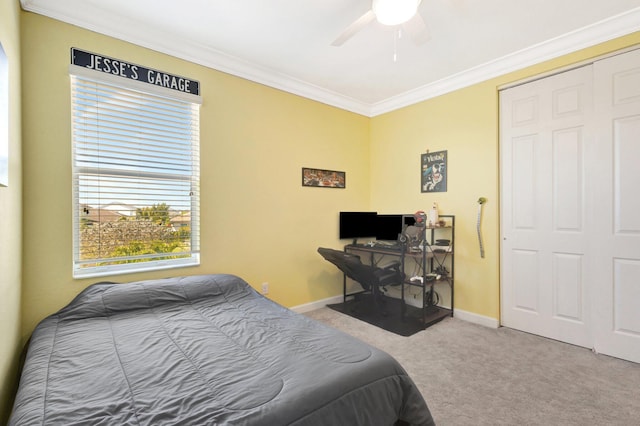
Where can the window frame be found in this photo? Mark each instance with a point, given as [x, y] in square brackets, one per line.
[126, 85]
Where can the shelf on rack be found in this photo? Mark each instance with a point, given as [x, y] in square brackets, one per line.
[432, 314]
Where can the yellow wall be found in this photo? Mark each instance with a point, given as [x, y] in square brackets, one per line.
[10, 215]
[465, 123]
[257, 219]
[459, 124]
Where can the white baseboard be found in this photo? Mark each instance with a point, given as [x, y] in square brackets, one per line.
[308, 307]
[476, 319]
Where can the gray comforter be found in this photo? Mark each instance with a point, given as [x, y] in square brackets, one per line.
[203, 350]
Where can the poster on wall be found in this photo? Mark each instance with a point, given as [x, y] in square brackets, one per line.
[323, 178]
[433, 172]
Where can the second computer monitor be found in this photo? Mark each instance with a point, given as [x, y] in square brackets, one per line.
[388, 226]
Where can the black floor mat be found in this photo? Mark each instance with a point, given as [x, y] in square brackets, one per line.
[389, 314]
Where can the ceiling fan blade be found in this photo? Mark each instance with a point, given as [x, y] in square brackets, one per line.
[417, 29]
[356, 26]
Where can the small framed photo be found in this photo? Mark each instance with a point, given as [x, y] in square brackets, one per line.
[323, 178]
[433, 172]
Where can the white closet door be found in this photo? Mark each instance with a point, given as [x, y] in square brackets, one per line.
[545, 148]
[616, 237]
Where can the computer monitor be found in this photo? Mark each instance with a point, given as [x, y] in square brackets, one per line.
[388, 226]
[409, 219]
[356, 225]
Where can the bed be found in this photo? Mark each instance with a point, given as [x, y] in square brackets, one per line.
[204, 350]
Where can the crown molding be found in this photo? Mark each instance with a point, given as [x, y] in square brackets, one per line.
[617, 26]
[599, 32]
[268, 77]
[135, 33]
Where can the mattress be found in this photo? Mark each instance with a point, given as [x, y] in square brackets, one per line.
[204, 350]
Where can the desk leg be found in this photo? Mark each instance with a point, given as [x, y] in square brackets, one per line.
[344, 289]
[403, 305]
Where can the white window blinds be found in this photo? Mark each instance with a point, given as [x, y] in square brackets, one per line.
[136, 173]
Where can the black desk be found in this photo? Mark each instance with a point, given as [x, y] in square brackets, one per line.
[428, 260]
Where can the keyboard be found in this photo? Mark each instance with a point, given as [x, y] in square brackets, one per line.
[390, 247]
[379, 246]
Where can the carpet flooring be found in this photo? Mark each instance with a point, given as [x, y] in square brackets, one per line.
[474, 375]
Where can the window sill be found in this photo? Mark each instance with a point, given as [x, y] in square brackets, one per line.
[131, 268]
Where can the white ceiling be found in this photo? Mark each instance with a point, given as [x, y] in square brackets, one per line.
[286, 44]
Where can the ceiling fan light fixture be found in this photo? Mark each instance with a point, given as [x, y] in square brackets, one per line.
[394, 12]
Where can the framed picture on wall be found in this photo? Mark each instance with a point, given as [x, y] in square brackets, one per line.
[323, 178]
[433, 172]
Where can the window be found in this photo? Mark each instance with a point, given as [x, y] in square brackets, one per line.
[136, 172]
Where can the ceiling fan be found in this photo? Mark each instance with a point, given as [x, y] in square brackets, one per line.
[391, 13]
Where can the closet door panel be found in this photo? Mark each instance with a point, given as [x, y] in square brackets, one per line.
[616, 241]
[544, 142]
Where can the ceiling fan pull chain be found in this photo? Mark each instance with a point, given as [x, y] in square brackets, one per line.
[396, 36]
